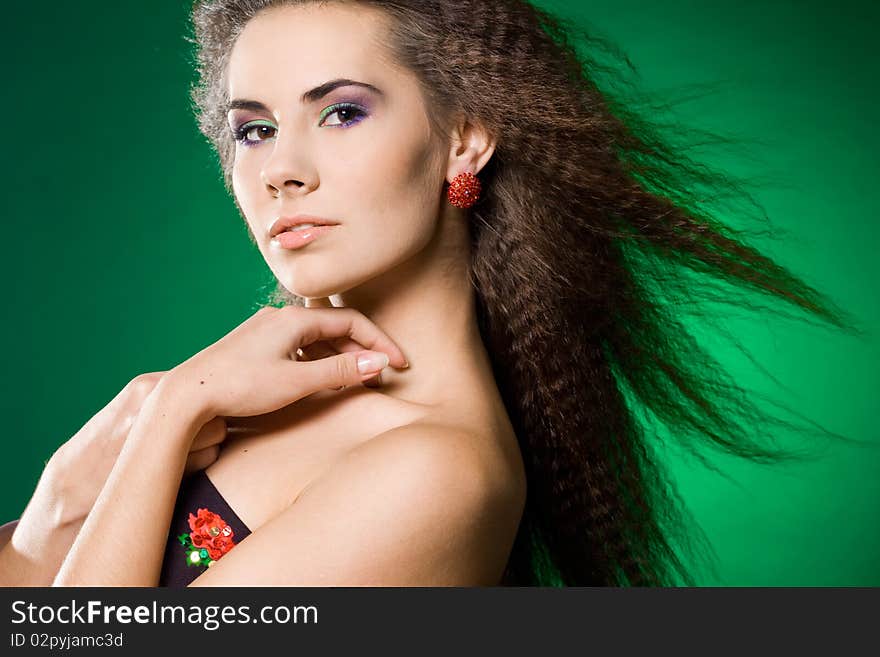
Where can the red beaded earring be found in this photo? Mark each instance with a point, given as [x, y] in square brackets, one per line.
[464, 190]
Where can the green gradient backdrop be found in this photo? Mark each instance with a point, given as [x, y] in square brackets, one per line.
[124, 255]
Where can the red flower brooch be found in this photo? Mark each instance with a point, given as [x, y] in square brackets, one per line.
[210, 538]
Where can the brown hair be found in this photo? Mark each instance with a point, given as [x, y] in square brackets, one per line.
[594, 232]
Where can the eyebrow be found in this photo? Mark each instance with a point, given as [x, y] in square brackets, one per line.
[310, 96]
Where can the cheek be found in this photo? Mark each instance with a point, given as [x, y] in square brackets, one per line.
[244, 191]
[393, 163]
[407, 188]
[418, 193]
[240, 179]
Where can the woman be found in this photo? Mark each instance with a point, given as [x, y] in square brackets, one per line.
[535, 321]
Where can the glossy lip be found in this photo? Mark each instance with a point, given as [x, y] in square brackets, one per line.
[283, 223]
[293, 240]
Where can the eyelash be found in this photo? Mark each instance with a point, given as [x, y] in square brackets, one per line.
[240, 133]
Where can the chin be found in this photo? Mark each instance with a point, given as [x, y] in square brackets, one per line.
[317, 289]
[315, 280]
[311, 292]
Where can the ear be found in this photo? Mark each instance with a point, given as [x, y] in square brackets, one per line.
[470, 147]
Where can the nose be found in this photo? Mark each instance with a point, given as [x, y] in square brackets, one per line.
[284, 171]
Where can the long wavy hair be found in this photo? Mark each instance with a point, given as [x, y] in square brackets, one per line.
[595, 233]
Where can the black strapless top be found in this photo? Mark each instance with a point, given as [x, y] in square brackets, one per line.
[203, 528]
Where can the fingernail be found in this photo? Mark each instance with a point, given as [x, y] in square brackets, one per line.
[372, 362]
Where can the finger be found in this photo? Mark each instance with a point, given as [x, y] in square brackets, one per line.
[347, 344]
[332, 323]
[332, 347]
[321, 349]
[318, 350]
[201, 459]
[327, 348]
[336, 372]
[211, 433]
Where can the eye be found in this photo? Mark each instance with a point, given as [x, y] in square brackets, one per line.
[259, 131]
[346, 111]
[254, 132]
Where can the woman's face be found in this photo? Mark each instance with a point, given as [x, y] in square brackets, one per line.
[364, 158]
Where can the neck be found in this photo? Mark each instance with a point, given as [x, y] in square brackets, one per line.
[426, 305]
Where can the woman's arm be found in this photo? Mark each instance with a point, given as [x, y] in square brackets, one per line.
[122, 541]
[67, 489]
[249, 371]
[35, 545]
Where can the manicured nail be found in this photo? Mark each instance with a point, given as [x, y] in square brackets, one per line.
[372, 362]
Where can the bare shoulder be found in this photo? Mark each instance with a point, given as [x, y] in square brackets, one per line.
[458, 465]
[436, 478]
[419, 505]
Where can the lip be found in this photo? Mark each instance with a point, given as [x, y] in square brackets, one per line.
[283, 223]
[295, 239]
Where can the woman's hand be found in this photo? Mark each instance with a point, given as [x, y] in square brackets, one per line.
[39, 541]
[82, 464]
[255, 369]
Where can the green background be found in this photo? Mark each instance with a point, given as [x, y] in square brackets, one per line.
[123, 254]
